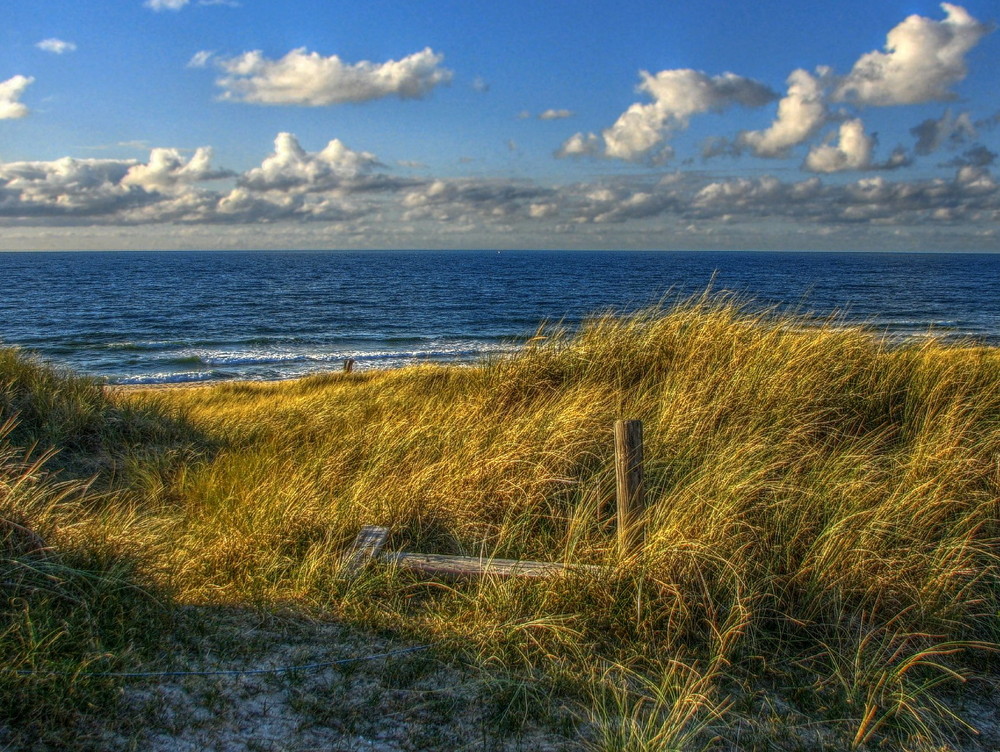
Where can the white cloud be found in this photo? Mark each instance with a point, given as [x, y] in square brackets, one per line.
[972, 197]
[56, 46]
[61, 187]
[543, 210]
[579, 145]
[923, 59]
[116, 188]
[292, 169]
[638, 133]
[853, 150]
[167, 172]
[452, 200]
[308, 78]
[801, 113]
[338, 187]
[159, 5]
[682, 93]
[10, 92]
[634, 134]
[200, 59]
[739, 193]
[976, 180]
[556, 115]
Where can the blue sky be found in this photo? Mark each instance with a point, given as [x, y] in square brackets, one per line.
[749, 125]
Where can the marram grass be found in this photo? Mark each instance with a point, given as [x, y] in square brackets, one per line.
[821, 537]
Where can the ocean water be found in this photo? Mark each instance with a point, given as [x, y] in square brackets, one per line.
[154, 317]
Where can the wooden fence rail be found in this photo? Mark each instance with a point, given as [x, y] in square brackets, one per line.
[630, 509]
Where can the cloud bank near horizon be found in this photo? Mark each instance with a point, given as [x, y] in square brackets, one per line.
[337, 184]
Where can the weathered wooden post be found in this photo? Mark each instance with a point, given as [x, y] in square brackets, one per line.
[366, 547]
[629, 478]
[349, 365]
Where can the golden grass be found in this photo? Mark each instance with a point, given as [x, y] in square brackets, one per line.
[823, 513]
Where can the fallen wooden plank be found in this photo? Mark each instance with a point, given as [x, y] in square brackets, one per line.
[475, 566]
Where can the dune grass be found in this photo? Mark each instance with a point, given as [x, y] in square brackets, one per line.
[820, 561]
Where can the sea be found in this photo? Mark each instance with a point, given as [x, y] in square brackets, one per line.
[199, 316]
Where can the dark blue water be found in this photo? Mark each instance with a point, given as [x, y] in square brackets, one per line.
[190, 316]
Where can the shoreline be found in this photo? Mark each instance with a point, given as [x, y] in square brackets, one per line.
[209, 383]
[970, 344]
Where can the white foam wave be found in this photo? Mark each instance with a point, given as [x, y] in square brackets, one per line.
[434, 350]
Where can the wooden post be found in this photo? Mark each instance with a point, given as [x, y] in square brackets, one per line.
[631, 495]
[367, 545]
[349, 365]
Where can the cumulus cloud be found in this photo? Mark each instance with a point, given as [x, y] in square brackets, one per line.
[452, 200]
[345, 188]
[56, 46]
[126, 190]
[736, 195]
[63, 187]
[640, 132]
[923, 58]
[292, 169]
[542, 210]
[579, 145]
[10, 92]
[950, 131]
[168, 187]
[159, 5]
[801, 113]
[636, 132]
[168, 172]
[853, 150]
[682, 93]
[242, 205]
[635, 205]
[972, 196]
[309, 79]
[556, 114]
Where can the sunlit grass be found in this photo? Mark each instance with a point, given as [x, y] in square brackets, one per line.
[822, 522]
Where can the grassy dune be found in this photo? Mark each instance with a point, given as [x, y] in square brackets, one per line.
[819, 571]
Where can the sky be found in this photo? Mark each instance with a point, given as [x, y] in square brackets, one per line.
[864, 125]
